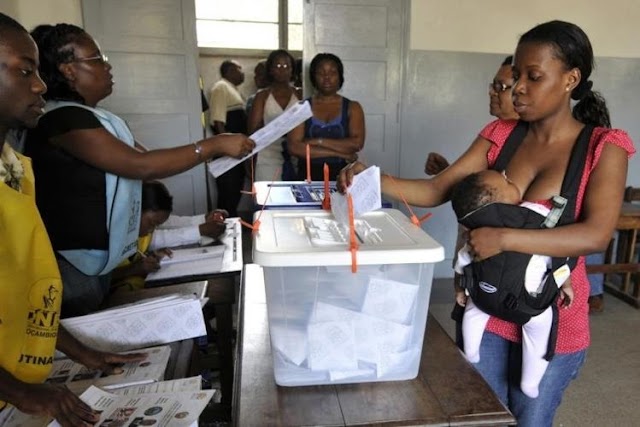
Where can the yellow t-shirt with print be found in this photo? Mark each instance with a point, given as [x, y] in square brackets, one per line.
[31, 289]
[132, 283]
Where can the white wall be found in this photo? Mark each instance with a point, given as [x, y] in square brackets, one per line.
[493, 26]
[34, 12]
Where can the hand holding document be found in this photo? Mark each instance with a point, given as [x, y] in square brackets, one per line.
[365, 192]
[265, 136]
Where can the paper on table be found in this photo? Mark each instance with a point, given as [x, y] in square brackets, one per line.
[181, 384]
[193, 254]
[190, 262]
[365, 191]
[140, 325]
[174, 409]
[265, 136]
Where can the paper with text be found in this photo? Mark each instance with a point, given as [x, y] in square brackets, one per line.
[265, 136]
[365, 192]
[174, 409]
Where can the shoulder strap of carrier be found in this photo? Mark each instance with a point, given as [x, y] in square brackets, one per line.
[572, 177]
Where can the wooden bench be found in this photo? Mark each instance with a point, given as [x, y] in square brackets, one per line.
[625, 265]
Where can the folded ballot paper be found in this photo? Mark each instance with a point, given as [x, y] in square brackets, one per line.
[365, 194]
[145, 323]
[372, 340]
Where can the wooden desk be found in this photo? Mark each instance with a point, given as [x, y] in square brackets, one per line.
[625, 264]
[447, 391]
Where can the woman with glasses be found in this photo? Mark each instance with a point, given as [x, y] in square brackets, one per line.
[500, 106]
[88, 172]
[552, 65]
[274, 162]
[335, 134]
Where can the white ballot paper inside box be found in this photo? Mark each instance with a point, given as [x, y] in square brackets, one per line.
[365, 193]
[265, 136]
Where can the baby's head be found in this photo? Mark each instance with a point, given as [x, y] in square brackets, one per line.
[482, 188]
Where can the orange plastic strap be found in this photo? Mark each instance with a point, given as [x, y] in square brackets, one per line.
[353, 240]
[414, 219]
[255, 227]
[308, 163]
[326, 201]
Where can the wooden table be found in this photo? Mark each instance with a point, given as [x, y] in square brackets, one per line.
[447, 391]
[625, 263]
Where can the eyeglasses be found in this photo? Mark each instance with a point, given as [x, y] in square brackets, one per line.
[499, 87]
[285, 66]
[101, 58]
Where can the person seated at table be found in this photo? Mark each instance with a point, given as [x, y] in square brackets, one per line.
[269, 104]
[468, 197]
[88, 172]
[31, 289]
[156, 207]
[336, 132]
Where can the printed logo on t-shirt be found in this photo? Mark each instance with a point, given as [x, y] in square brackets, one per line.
[44, 309]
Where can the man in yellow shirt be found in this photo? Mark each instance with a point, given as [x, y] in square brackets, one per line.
[30, 285]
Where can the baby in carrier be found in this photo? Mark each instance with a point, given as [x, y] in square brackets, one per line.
[490, 193]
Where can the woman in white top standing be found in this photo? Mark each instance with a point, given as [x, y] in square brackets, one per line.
[269, 103]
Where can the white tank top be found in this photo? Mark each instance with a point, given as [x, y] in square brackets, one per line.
[270, 159]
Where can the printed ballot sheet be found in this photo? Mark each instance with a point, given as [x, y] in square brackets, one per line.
[145, 323]
[173, 409]
[265, 136]
[365, 192]
[78, 377]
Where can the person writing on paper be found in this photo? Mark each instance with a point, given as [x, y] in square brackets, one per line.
[468, 198]
[31, 285]
[157, 204]
[156, 207]
[270, 103]
[88, 173]
[335, 134]
[552, 65]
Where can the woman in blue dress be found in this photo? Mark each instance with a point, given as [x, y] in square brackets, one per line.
[335, 133]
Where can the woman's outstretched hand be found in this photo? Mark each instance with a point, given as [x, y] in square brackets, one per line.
[234, 144]
[346, 175]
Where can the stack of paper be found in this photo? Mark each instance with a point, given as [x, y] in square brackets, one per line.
[145, 323]
[78, 377]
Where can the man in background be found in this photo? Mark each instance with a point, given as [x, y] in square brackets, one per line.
[227, 114]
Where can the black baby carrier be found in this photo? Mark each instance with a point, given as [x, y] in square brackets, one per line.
[496, 284]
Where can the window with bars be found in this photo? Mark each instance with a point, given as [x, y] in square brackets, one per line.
[249, 24]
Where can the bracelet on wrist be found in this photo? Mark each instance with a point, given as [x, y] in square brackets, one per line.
[198, 150]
